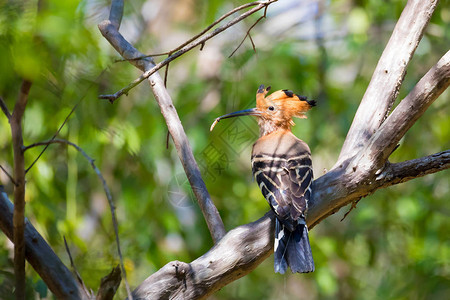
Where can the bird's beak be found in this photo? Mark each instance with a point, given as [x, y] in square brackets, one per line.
[245, 112]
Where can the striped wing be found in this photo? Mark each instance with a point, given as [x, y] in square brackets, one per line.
[286, 184]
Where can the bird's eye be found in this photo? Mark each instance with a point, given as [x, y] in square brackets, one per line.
[271, 108]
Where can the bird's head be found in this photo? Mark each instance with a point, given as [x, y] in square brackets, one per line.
[274, 111]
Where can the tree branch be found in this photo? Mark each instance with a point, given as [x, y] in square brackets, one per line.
[200, 41]
[239, 252]
[174, 125]
[245, 247]
[4, 108]
[19, 188]
[388, 76]
[41, 256]
[410, 169]
[382, 143]
[363, 169]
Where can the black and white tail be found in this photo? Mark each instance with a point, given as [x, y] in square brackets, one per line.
[292, 249]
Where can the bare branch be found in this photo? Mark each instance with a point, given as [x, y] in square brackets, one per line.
[245, 247]
[244, 6]
[4, 108]
[410, 109]
[103, 26]
[41, 256]
[7, 174]
[19, 188]
[239, 252]
[109, 285]
[248, 34]
[74, 268]
[176, 130]
[105, 187]
[388, 76]
[65, 120]
[410, 169]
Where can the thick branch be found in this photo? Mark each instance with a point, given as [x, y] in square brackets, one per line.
[410, 109]
[410, 169]
[388, 76]
[174, 125]
[237, 254]
[19, 188]
[39, 254]
[245, 247]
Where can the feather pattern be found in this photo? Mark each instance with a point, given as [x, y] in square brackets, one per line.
[281, 164]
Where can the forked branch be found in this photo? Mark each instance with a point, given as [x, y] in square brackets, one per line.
[184, 150]
[388, 76]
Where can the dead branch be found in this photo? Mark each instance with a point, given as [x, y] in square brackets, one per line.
[410, 109]
[109, 285]
[377, 102]
[245, 247]
[41, 256]
[200, 41]
[240, 251]
[362, 169]
[184, 150]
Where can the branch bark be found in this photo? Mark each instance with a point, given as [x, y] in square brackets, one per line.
[239, 252]
[410, 109]
[388, 76]
[19, 188]
[361, 170]
[245, 247]
[41, 256]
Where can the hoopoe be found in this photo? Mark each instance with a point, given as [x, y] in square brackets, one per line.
[282, 167]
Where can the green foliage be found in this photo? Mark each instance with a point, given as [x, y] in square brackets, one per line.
[393, 246]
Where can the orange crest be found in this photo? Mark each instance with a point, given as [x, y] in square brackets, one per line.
[283, 104]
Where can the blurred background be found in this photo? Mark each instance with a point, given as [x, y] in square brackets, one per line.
[395, 245]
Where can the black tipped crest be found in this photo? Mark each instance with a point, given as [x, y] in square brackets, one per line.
[304, 98]
[289, 93]
[261, 88]
[311, 102]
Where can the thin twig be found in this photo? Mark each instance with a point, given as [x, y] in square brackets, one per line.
[183, 50]
[244, 6]
[75, 270]
[66, 119]
[5, 108]
[9, 175]
[248, 34]
[105, 187]
[353, 206]
[166, 74]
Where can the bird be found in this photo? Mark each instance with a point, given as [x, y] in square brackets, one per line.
[282, 168]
